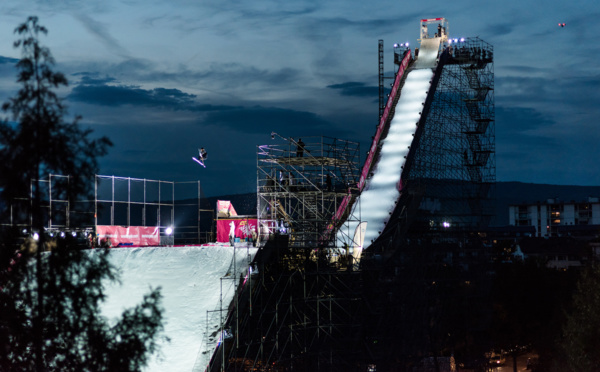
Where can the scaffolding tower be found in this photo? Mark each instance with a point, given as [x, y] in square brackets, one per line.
[423, 285]
[305, 318]
[453, 170]
[303, 287]
[433, 282]
[455, 160]
[305, 187]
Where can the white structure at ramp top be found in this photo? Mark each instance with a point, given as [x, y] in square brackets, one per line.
[192, 281]
[377, 200]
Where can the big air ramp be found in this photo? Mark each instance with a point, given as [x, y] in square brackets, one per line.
[382, 190]
[197, 288]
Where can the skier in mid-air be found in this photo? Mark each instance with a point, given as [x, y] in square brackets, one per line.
[202, 156]
[202, 153]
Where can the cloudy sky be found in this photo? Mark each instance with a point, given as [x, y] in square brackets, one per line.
[162, 78]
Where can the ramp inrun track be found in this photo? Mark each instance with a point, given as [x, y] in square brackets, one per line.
[383, 179]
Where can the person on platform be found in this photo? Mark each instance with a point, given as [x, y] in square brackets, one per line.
[300, 148]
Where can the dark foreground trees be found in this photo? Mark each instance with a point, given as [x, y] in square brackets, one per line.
[578, 348]
[50, 289]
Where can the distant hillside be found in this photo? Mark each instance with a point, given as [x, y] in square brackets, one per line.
[507, 193]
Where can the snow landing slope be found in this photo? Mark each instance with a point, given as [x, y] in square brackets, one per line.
[192, 279]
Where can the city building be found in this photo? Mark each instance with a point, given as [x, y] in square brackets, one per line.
[555, 217]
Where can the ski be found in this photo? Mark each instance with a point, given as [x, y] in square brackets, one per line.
[199, 162]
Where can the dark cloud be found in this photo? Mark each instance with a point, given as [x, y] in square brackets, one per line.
[500, 29]
[88, 80]
[524, 148]
[230, 75]
[367, 26]
[245, 75]
[118, 95]
[267, 119]
[561, 95]
[358, 89]
[95, 91]
[514, 122]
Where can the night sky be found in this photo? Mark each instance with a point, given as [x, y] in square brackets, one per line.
[163, 78]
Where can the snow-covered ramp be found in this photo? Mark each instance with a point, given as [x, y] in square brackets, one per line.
[192, 280]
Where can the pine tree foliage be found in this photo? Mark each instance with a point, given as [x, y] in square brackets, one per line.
[579, 347]
[51, 290]
[37, 141]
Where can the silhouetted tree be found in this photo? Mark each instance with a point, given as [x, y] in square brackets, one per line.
[50, 317]
[579, 347]
[528, 303]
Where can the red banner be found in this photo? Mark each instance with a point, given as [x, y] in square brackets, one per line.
[382, 121]
[243, 228]
[132, 235]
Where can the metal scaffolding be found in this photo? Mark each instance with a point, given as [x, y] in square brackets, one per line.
[306, 289]
[421, 288]
[305, 318]
[454, 168]
[127, 201]
[427, 275]
[122, 201]
[304, 187]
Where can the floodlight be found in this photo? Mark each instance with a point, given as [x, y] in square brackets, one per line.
[169, 230]
[36, 236]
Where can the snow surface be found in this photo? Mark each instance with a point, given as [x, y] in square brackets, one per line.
[381, 191]
[377, 200]
[192, 279]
